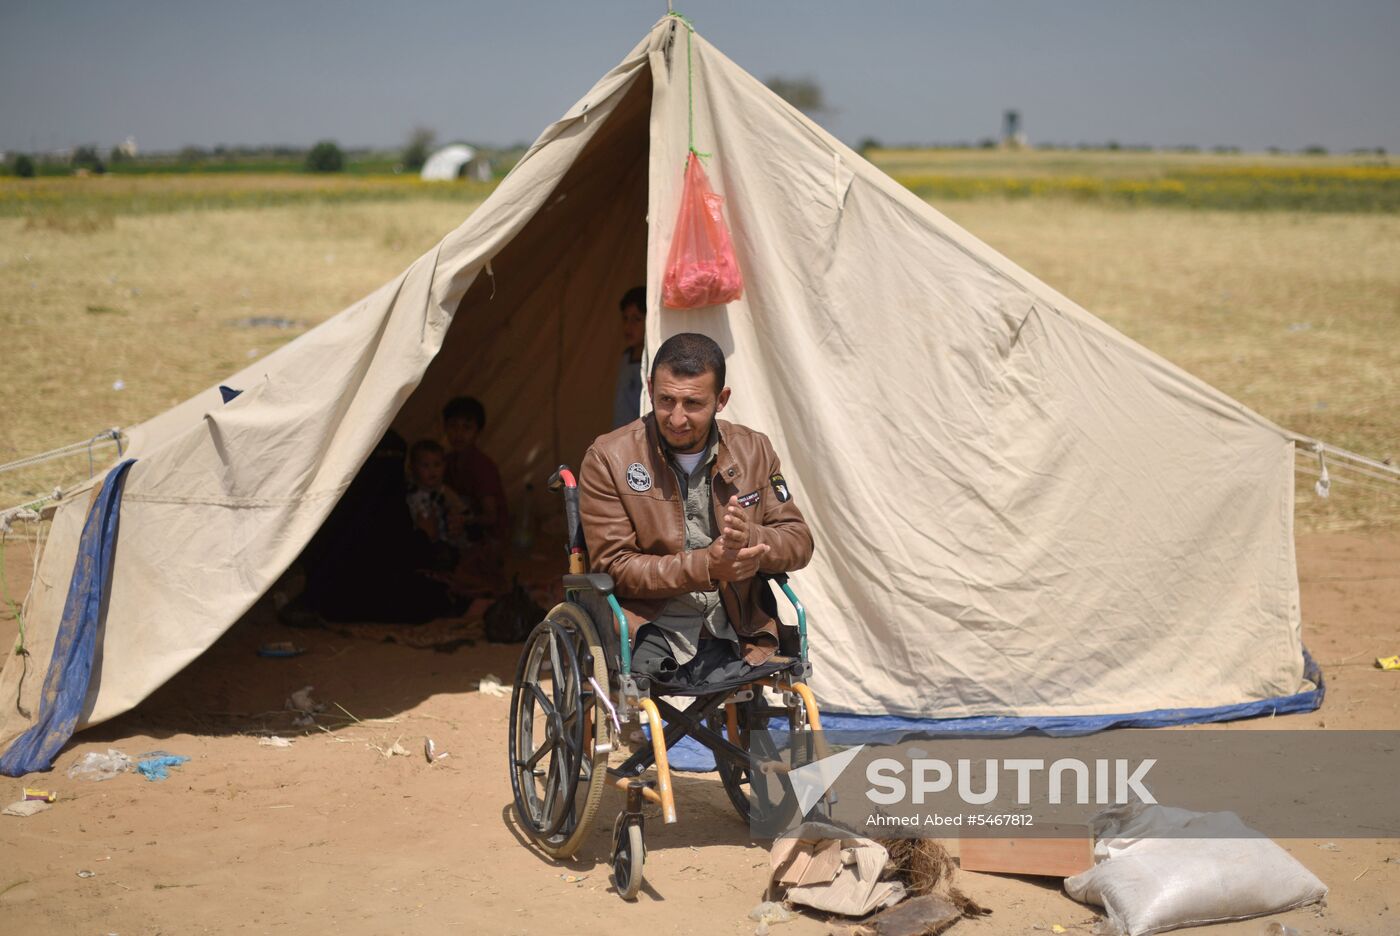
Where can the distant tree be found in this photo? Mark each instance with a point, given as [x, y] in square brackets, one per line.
[117, 155]
[1113, 145]
[419, 147]
[23, 166]
[987, 143]
[189, 155]
[325, 156]
[86, 157]
[1315, 150]
[868, 144]
[802, 93]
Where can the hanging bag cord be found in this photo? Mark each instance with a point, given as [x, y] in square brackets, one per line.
[689, 81]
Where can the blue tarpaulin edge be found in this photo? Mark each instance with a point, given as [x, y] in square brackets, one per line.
[691, 756]
[70, 668]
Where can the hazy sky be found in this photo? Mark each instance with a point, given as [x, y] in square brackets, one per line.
[1252, 73]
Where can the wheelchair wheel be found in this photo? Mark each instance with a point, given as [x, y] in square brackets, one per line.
[557, 773]
[628, 857]
[769, 801]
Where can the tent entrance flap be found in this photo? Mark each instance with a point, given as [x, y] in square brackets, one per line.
[539, 339]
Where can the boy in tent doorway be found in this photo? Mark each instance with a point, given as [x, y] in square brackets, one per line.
[627, 396]
[472, 474]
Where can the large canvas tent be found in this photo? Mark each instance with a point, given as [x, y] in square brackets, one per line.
[1019, 512]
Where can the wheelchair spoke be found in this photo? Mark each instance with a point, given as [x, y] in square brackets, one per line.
[534, 758]
[545, 702]
[559, 682]
[551, 788]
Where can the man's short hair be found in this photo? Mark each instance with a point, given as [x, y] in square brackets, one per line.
[424, 447]
[690, 355]
[465, 407]
[636, 296]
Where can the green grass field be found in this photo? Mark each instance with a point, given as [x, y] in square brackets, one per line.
[1290, 302]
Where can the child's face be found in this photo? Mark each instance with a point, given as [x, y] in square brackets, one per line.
[428, 469]
[634, 326]
[461, 432]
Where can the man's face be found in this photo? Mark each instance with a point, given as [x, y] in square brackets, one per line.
[461, 432]
[685, 408]
[634, 326]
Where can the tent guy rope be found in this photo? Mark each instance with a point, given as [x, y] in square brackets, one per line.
[111, 436]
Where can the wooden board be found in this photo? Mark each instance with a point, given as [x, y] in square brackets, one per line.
[1048, 857]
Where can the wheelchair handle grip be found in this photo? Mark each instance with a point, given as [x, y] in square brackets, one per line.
[563, 478]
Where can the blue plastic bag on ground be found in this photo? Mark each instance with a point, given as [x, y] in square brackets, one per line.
[157, 768]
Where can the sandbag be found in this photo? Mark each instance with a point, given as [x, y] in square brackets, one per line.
[1213, 868]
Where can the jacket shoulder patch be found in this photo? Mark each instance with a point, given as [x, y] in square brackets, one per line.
[749, 499]
[780, 487]
[638, 478]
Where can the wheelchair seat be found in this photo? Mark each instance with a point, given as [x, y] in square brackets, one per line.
[720, 679]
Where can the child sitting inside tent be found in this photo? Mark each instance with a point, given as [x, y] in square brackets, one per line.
[472, 473]
[436, 509]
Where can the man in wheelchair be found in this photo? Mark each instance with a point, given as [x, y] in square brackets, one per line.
[685, 512]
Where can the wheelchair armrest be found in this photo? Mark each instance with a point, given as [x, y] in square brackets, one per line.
[595, 581]
[782, 580]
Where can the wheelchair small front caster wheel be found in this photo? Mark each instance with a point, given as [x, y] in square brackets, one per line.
[628, 856]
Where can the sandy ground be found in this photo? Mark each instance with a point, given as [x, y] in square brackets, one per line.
[332, 836]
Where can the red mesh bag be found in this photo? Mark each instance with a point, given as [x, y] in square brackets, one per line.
[701, 269]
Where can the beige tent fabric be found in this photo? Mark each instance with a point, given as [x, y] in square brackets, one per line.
[222, 497]
[1018, 511]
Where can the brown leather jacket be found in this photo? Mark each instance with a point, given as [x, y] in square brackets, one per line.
[634, 524]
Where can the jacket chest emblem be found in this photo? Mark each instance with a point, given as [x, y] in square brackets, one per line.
[638, 478]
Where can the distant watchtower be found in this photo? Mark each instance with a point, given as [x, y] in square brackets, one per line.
[1012, 136]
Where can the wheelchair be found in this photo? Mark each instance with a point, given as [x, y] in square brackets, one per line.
[575, 690]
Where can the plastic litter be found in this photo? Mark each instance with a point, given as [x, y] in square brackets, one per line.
[87, 874]
[701, 269]
[280, 650]
[32, 794]
[274, 741]
[431, 752]
[301, 701]
[25, 808]
[770, 912]
[491, 685]
[1388, 663]
[97, 766]
[1278, 929]
[157, 767]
